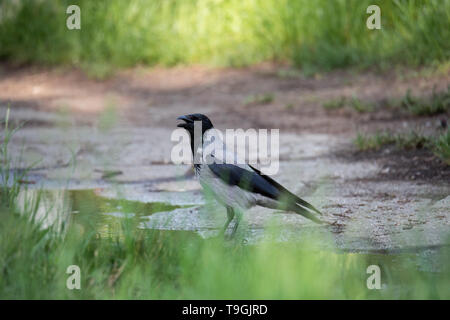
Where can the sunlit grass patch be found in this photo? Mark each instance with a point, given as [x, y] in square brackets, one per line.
[441, 147]
[436, 103]
[438, 144]
[353, 103]
[256, 99]
[360, 105]
[314, 35]
[10, 179]
[334, 104]
[439, 102]
[410, 140]
[375, 141]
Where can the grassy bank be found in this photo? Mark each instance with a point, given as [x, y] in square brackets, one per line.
[314, 35]
[438, 144]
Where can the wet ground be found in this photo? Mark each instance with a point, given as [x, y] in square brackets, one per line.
[112, 140]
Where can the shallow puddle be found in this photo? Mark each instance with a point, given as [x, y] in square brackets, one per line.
[86, 209]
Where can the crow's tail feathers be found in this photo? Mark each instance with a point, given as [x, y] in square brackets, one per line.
[304, 212]
[289, 201]
[291, 206]
[286, 196]
[305, 204]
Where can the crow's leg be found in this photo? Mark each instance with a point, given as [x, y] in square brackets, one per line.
[230, 216]
[236, 224]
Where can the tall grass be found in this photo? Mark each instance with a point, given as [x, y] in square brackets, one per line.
[9, 178]
[319, 34]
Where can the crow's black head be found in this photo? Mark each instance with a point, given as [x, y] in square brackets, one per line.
[189, 120]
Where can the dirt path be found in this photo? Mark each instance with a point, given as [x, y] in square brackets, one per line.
[152, 98]
[81, 130]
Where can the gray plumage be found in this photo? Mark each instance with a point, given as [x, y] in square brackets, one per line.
[239, 186]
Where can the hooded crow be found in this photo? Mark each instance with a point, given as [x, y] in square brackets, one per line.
[239, 186]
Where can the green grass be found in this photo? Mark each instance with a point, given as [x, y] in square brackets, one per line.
[361, 106]
[439, 145]
[439, 102]
[257, 99]
[8, 190]
[314, 35]
[354, 103]
[366, 142]
[335, 104]
[436, 103]
[411, 140]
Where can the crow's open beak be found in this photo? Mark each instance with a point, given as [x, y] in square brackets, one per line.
[186, 120]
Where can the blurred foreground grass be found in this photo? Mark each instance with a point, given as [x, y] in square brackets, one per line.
[134, 263]
[315, 35]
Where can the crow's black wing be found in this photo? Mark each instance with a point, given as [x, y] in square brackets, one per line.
[285, 192]
[245, 179]
[254, 181]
